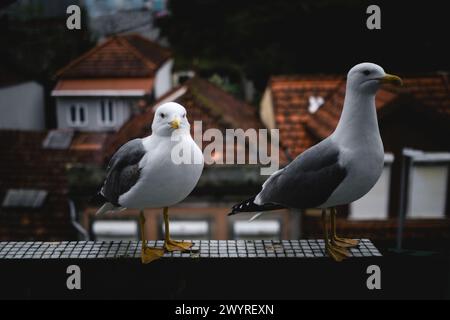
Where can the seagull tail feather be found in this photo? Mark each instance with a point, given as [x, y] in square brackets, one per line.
[256, 216]
[108, 206]
[249, 205]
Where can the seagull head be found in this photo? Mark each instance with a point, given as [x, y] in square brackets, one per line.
[169, 117]
[368, 77]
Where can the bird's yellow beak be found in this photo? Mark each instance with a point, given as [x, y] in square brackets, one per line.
[175, 123]
[390, 78]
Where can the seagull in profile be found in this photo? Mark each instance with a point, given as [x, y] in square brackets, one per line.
[157, 171]
[340, 169]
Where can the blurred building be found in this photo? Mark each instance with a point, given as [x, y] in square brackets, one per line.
[21, 101]
[96, 94]
[42, 9]
[112, 17]
[103, 88]
[34, 185]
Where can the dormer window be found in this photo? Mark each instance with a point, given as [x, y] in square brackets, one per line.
[77, 115]
[107, 116]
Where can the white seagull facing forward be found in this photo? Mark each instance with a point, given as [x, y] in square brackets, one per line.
[151, 173]
[340, 169]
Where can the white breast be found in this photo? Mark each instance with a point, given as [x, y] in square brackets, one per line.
[163, 181]
[364, 166]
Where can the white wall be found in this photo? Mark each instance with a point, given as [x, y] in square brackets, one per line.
[122, 112]
[375, 204]
[427, 191]
[22, 107]
[163, 79]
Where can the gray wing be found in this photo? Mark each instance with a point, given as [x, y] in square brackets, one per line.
[123, 170]
[308, 181]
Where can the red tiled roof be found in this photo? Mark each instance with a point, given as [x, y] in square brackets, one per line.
[290, 95]
[299, 129]
[204, 102]
[120, 56]
[25, 164]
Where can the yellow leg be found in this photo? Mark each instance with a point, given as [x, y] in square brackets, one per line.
[169, 244]
[341, 242]
[147, 254]
[334, 252]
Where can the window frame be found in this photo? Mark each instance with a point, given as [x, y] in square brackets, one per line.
[78, 107]
[109, 111]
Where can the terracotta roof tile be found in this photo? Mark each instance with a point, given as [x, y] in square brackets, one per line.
[300, 129]
[290, 96]
[120, 56]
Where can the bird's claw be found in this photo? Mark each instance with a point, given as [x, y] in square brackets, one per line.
[335, 254]
[172, 245]
[341, 250]
[151, 254]
[346, 243]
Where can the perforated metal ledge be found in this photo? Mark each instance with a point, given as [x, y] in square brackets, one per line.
[201, 249]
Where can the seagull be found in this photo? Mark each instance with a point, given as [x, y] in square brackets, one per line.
[157, 171]
[340, 169]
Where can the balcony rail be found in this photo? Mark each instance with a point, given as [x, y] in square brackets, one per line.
[201, 249]
[215, 269]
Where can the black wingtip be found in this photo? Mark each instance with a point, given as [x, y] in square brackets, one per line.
[249, 205]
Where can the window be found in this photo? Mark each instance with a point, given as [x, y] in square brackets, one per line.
[188, 229]
[258, 229]
[427, 184]
[375, 204]
[115, 230]
[427, 191]
[107, 116]
[78, 115]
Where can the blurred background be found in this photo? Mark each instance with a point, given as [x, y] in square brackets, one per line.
[70, 98]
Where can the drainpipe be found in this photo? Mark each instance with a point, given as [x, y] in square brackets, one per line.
[73, 219]
[407, 159]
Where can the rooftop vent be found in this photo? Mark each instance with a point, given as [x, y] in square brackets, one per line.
[25, 198]
[315, 103]
[58, 139]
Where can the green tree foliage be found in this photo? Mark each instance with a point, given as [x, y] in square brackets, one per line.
[37, 46]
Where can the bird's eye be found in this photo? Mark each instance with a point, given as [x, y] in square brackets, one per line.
[162, 115]
[366, 72]
[184, 115]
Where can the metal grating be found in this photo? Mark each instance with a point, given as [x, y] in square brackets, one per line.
[201, 249]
